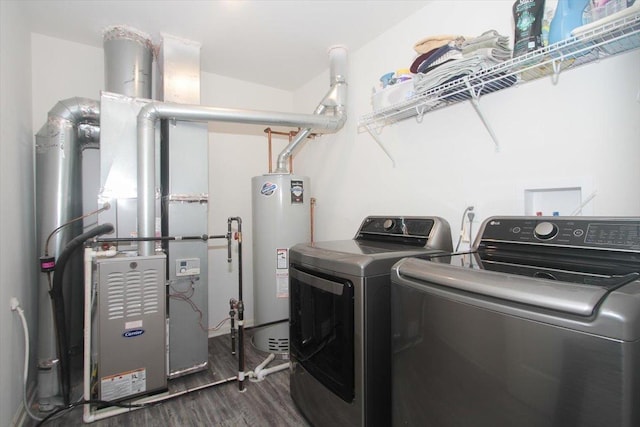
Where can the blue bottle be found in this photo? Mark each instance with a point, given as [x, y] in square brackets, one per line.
[567, 17]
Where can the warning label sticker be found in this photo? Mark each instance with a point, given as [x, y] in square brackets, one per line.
[282, 258]
[282, 283]
[297, 191]
[125, 384]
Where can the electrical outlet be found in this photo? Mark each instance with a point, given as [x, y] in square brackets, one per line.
[465, 233]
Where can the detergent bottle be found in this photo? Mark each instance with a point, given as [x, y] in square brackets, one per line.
[567, 17]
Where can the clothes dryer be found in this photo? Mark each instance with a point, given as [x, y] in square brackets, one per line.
[340, 318]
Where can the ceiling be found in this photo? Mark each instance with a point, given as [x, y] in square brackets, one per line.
[278, 43]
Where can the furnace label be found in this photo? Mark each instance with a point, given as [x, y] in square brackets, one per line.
[124, 384]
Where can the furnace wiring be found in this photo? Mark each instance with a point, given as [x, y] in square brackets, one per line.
[186, 295]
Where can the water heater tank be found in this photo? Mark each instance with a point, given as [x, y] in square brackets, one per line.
[281, 218]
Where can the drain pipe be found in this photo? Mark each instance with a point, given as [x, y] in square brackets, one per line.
[154, 111]
[260, 372]
[336, 98]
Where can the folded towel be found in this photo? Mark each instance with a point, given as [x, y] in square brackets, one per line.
[443, 73]
[433, 42]
[490, 38]
[443, 54]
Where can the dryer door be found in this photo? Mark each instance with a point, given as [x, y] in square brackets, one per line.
[321, 329]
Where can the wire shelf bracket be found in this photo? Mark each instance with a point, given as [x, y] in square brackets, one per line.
[475, 101]
[378, 141]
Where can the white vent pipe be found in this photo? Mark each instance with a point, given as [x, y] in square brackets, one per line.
[336, 97]
[154, 111]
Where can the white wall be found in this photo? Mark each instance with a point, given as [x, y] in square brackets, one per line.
[62, 70]
[584, 131]
[17, 254]
[236, 154]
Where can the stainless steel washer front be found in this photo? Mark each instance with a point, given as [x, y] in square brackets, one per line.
[538, 326]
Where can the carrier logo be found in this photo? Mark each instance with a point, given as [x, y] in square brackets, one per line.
[268, 188]
[133, 333]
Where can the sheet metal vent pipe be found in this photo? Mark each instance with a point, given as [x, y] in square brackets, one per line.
[59, 144]
[335, 98]
[128, 61]
[154, 111]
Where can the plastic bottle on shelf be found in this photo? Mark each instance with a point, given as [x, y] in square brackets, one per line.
[567, 17]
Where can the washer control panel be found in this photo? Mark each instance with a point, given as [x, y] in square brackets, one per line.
[545, 230]
[605, 233]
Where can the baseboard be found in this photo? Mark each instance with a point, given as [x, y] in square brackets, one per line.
[21, 417]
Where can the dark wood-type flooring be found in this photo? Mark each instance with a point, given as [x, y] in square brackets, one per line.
[265, 403]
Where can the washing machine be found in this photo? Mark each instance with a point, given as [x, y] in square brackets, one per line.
[537, 326]
[339, 318]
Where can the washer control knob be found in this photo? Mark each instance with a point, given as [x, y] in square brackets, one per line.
[545, 230]
[388, 224]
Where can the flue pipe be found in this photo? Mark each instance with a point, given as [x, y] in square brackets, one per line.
[154, 111]
[59, 199]
[128, 61]
[335, 98]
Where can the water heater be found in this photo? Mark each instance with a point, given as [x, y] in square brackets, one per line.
[281, 218]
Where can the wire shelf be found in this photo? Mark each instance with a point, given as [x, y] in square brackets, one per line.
[609, 39]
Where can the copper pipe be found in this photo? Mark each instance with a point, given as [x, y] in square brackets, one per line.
[291, 135]
[268, 130]
[313, 208]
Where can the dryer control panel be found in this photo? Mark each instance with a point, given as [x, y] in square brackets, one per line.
[589, 232]
[412, 231]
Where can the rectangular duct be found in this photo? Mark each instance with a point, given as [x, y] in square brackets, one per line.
[185, 188]
[118, 165]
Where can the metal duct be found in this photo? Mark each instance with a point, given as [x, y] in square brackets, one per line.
[336, 98]
[152, 112]
[128, 62]
[59, 200]
[89, 135]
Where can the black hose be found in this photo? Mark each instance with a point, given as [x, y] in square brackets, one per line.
[57, 299]
[264, 325]
[106, 403]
